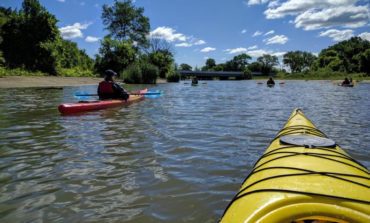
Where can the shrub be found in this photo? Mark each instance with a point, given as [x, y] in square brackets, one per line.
[247, 74]
[75, 72]
[149, 73]
[19, 72]
[173, 76]
[133, 74]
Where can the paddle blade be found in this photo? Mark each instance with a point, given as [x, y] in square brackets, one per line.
[83, 95]
[153, 94]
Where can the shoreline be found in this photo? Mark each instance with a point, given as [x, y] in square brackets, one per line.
[58, 82]
[51, 81]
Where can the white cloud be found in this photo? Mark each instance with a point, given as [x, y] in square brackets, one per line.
[184, 44]
[260, 52]
[167, 34]
[61, 0]
[243, 31]
[273, 4]
[277, 39]
[318, 14]
[365, 35]
[257, 33]
[207, 49]
[295, 7]
[92, 39]
[344, 16]
[236, 50]
[337, 35]
[269, 32]
[256, 2]
[73, 31]
[199, 42]
[252, 47]
[170, 35]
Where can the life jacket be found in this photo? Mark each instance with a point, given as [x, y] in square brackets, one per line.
[106, 87]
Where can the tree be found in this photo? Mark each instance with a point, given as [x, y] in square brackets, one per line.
[185, 66]
[163, 59]
[365, 62]
[255, 67]
[158, 44]
[238, 63]
[267, 63]
[344, 56]
[28, 37]
[160, 54]
[69, 56]
[115, 54]
[298, 60]
[126, 22]
[330, 58]
[4, 17]
[210, 63]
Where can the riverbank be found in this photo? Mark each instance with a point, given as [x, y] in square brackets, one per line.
[50, 81]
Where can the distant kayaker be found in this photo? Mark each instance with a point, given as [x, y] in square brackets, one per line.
[108, 89]
[270, 81]
[346, 82]
[194, 80]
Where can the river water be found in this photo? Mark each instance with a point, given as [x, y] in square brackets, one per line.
[177, 158]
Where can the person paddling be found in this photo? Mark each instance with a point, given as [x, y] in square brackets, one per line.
[270, 81]
[346, 82]
[108, 89]
[194, 80]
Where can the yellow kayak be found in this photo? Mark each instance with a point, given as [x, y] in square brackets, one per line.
[303, 177]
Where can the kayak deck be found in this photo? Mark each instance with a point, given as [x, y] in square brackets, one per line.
[298, 183]
[85, 106]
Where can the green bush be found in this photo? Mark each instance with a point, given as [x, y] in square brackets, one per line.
[149, 73]
[19, 72]
[75, 72]
[247, 74]
[133, 74]
[173, 76]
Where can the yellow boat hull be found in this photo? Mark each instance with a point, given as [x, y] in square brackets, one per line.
[302, 183]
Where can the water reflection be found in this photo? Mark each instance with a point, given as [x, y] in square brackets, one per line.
[177, 158]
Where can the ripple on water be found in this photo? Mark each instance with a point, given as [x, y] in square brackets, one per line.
[177, 158]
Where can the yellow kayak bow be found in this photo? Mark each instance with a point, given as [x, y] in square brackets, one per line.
[302, 177]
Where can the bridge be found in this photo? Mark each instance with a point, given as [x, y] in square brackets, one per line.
[222, 75]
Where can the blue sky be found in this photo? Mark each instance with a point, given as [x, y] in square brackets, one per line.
[221, 29]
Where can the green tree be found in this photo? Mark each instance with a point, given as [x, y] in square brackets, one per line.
[70, 56]
[219, 67]
[238, 63]
[163, 59]
[28, 37]
[267, 63]
[114, 54]
[126, 22]
[344, 56]
[255, 67]
[210, 63]
[185, 66]
[364, 62]
[299, 61]
[4, 17]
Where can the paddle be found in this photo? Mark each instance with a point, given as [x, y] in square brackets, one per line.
[147, 93]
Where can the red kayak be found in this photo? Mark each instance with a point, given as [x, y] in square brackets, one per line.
[84, 106]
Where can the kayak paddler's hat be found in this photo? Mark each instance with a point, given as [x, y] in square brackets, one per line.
[110, 73]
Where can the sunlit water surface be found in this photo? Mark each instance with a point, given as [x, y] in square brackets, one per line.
[177, 158]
